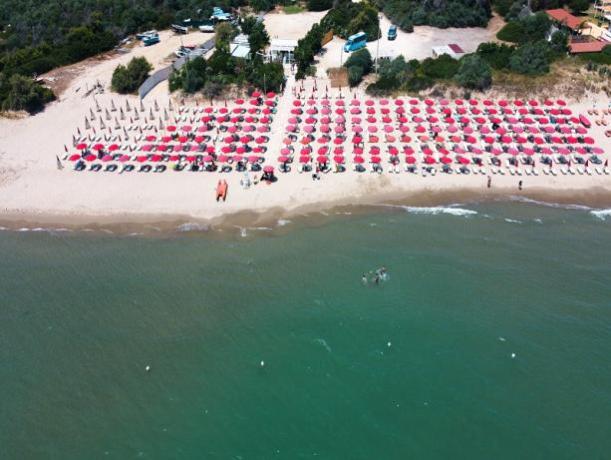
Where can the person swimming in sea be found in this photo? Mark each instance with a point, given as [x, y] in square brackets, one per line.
[364, 279]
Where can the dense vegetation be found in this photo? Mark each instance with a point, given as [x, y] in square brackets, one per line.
[39, 35]
[213, 76]
[358, 64]
[413, 76]
[512, 9]
[534, 52]
[127, 79]
[22, 93]
[439, 13]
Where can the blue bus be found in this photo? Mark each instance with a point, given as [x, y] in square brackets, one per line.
[356, 42]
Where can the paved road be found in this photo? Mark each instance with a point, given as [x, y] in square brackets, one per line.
[164, 74]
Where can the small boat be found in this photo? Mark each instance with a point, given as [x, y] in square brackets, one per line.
[221, 190]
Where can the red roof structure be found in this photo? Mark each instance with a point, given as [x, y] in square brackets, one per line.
[563, 16]
[457, 49]
[586, 47]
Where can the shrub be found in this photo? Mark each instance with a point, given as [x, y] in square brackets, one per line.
[22, 93]
[579, 6]
[512, 32]
[448, 13]
[531, 59]
[528, 29]
[362, 59]
[127, 80]
[496, 55]
[474, 73]
[443, 67]
[319, 5]
[355, 75]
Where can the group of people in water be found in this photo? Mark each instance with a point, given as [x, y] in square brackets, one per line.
[376, 276]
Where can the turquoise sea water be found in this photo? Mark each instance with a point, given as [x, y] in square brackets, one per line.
[83, 315]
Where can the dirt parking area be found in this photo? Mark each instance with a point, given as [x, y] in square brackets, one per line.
[417, 45]
[291, 26]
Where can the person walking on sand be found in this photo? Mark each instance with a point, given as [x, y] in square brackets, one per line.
[489, 181]
[520, 185]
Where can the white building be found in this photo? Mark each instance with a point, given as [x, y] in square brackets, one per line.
[282, 49]
[453, 50]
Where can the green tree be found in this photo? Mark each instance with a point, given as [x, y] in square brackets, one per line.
[355, 75]
[362, 59]
[579, 6]
[258, 39]
[531, 59]
[127, 79]
[23, 93]
[474, 73]
[443, 67]
[224, 33]
[497, 55]
[319, 5]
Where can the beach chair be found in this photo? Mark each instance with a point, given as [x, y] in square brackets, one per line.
[598, 170]
[512, 171]
[535, 172]
[527, 172]
[482, 171]
[588, 171]
[501, 171]
[606, 171]
[564, 171]
[580, 170]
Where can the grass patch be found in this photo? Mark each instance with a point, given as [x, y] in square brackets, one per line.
[293, 9]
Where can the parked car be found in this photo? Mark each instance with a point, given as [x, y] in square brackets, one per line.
[392, 32]
[207, 26]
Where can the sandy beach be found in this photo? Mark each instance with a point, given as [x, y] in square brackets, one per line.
[33, 189]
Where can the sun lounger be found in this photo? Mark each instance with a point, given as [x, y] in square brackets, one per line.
[580, 170]
[546, 172]
[598, 170]
[527, 172]
[564, 171]
[606, 171]
[535, 172]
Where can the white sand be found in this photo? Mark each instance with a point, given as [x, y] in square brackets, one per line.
[33, 189]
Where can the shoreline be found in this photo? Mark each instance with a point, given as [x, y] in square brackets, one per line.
[162, 224]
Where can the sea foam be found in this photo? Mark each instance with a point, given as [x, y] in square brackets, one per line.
[435, 210]
[601, 214]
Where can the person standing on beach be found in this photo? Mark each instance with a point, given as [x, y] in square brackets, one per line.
[489, 181]
[520, 185]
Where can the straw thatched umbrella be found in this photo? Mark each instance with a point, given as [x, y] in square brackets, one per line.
[122, 115]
